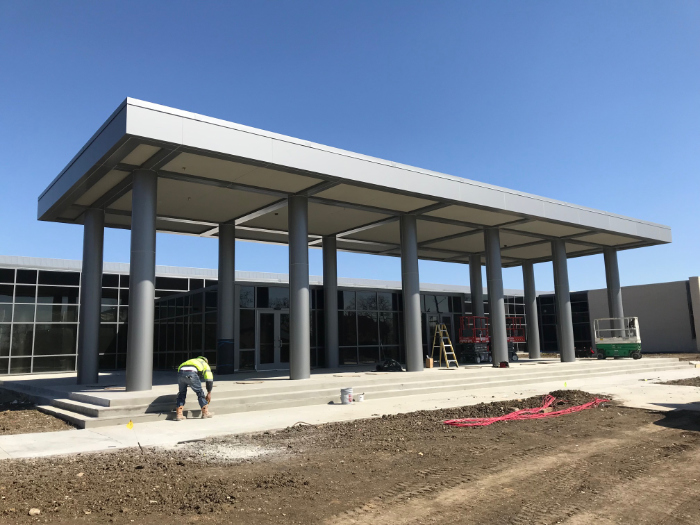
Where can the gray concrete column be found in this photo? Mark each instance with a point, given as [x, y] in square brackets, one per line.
[226, 300]
[562, 299]
[476, 285]
[531, 317]
[299, 312]
[90, 297]
[330, 300]
[497, 307]
[410, 284]
[139, 353]
[612, 278]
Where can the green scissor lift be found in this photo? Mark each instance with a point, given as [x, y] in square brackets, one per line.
[618, 337]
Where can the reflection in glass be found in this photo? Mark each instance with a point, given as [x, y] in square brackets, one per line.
[5, 313]
[247, 297]
[56, 339]
[22, 339]
[284, 338]
[366, 300]
[5, 339]
[24, 313]
[347, 329]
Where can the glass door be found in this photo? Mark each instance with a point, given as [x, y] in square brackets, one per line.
[273, 339]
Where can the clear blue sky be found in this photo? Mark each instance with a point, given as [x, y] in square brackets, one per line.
[591, 102]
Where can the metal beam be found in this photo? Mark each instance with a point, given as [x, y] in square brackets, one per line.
[219, 183]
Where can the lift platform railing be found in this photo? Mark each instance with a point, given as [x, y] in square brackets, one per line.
[515, 331]
[474, 329]
[617, 330]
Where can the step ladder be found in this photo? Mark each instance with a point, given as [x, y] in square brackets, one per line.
[441, 342]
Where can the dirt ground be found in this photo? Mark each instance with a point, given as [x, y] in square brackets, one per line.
[605, 465]
[691, 381]
[18, 415]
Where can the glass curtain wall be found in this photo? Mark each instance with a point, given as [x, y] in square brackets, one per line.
[548, 322]
[38, 320]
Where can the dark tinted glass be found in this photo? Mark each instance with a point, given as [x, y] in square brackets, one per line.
[108, 338]
[247, 297]
[196, 336]
[211, 299]
[348, 356]
[367, 330]
[263, 297]
[54, 364]
[124, 281]
[25, 294]
[211, 282]
[210, 336]
[24, 313]
[457, 304]
[4, 366]
[20, 366]
[171, 283]
[347, 328]
[246, 361]
[389, 328]
[368, 354]
[279, 298]
[6, 292]
[26, 276]
[110, 296]
[56, 313]
[5, 313]
[60, 278]
[366, 300]
[111, 280]
[247, 337]
[442, 304]
[22, 337]
[55, 339]
[346, 300]
[196, 284]
[197, 303]
[7, 275]
[124, 296]
[108, 314]
[384, 301]
[57, 295]
[5, 339]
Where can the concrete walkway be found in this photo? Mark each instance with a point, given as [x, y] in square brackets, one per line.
[634, 390]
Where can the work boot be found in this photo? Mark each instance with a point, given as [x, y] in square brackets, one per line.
[205, 412]
[180, 416]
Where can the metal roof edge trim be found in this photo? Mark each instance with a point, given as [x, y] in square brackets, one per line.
[358, 156]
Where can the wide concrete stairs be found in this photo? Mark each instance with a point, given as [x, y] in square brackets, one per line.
[88, 410]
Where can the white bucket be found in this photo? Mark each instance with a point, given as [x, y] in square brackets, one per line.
[360, 398]
[346, 396]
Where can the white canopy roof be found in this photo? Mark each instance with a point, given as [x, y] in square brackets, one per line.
[212, 171]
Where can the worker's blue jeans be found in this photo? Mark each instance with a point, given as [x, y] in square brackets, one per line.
[189, 378]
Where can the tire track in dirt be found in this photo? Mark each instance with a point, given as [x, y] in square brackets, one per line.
[508, 467]
[567, 479]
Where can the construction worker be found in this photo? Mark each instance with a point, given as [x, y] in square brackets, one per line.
[191, 373]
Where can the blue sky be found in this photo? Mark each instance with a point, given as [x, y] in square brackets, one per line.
[591, 102]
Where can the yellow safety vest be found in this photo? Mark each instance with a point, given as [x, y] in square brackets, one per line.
[202, 367]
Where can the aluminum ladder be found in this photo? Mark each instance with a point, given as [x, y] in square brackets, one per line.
[442, 342]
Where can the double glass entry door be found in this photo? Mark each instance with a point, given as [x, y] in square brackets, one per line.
[273, 339]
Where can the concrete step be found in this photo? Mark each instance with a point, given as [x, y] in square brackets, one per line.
[85, 415]
[314, 390]
[384, 380]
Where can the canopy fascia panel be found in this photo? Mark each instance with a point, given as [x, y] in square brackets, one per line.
[201, 159]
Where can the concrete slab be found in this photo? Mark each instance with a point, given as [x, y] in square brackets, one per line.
[635, 390]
